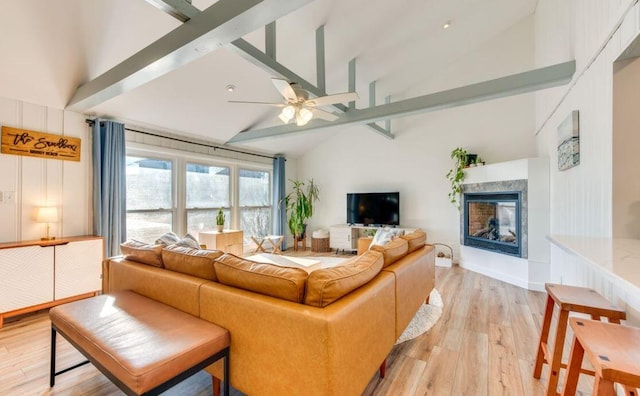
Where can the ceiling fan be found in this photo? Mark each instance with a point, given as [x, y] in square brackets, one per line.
[298, 106]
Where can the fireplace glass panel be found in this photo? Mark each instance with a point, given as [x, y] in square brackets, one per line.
[492, 222]
[495, 221]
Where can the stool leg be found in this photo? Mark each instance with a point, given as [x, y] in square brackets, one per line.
[556, 360]
[630, 390]
[603, 387]
[544, 336]
[383, 368]
[573, 368]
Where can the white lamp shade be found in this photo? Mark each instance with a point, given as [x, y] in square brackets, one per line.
[47, 214]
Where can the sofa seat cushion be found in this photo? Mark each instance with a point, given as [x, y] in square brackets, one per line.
[416, 240]
[325, 286]
[392, 251]
[142, 252]
[191, 261]
[142, 342]
[286, 283]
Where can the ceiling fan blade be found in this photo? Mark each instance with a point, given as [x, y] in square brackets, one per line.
[259, 103]
[285, 89]
[331, 99]
[325, 115]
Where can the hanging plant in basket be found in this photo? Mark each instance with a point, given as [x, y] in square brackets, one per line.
[456, 175]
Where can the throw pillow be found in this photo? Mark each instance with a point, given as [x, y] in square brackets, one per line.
[327, 285]
[189, 241]
[168, 239]
[191, 261]
[382, 237]
[286, 283]
[142, 252]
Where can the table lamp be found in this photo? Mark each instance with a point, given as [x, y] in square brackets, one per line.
[48, 215]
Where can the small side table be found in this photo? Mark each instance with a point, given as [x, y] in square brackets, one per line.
[320, 245]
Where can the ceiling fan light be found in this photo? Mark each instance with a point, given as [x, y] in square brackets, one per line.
[284, 119]
[289, 112]
[306, 114]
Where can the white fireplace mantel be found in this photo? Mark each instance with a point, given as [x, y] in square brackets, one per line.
[531, 272]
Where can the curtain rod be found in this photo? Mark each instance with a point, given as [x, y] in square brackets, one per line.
[91, 122]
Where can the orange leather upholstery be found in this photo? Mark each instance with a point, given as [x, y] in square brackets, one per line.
[414, 280]
[392, 251]
[142, 253]
[190, 261]
[142, 351]
[416, 240]
[177, 290]
[325, 286]
[282, 348]
[268, 279]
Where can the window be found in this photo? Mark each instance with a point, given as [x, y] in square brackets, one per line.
[149, 198]
[168, 190]
[207, 190]
[255, 203]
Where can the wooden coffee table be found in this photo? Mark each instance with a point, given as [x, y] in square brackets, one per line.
[306, 264]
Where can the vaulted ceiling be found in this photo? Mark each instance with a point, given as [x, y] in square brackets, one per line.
[50, 48]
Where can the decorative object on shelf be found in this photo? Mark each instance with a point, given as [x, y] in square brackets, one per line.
[569, 141]
[456, 175]
[444, 259]
[479, 161]
[220, 220]
[299, 204]
[47, 215]
[39, 144]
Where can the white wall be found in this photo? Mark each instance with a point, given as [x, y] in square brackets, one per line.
[581, 197]
[417, 160]
[36, 182]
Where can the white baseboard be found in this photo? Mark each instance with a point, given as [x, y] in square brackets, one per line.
[523, 283]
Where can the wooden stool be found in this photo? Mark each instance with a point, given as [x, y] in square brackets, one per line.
[568, 299]
[614, 352]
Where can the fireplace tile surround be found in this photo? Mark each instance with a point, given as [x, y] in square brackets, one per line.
[530, 179]
[506, 186]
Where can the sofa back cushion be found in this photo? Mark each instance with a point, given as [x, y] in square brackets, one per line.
[416, 240]
[392, 251]
[142, 253]
[272, 280]
[191, 261]
[327, 285]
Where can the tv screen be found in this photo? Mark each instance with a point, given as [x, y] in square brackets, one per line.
[373, 208]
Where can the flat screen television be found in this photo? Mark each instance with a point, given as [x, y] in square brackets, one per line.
[373, 208]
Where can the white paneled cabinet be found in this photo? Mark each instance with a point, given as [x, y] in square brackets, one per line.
[26, 277]
[343, 237]
[78, 266]
[40, 274]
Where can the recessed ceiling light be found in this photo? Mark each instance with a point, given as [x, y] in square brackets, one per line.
[446, 25]
[231, 87]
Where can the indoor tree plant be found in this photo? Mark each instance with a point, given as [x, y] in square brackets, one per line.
[299, 203]
[220, 220]
[456, 175]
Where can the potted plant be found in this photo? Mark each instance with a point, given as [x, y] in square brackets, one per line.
[299, 203]
[456, 175]
[220, 220]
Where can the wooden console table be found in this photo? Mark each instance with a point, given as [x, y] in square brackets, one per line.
[228, 241]
[39, 274]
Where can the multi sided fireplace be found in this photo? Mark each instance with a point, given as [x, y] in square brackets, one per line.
[492, 221]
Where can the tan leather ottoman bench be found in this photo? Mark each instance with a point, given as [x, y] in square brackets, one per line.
[143, 346]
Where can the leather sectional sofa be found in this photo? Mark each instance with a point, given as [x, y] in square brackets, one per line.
[323, 333]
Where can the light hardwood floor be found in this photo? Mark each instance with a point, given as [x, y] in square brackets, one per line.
[484, 344]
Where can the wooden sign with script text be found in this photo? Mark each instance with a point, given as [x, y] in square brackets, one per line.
[39, 144]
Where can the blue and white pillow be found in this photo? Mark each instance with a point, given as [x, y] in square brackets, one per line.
[168, 239]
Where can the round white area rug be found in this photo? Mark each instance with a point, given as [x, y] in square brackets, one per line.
[425, 318]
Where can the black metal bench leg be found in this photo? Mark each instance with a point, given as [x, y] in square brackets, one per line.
[226, 373]
[52, 366]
